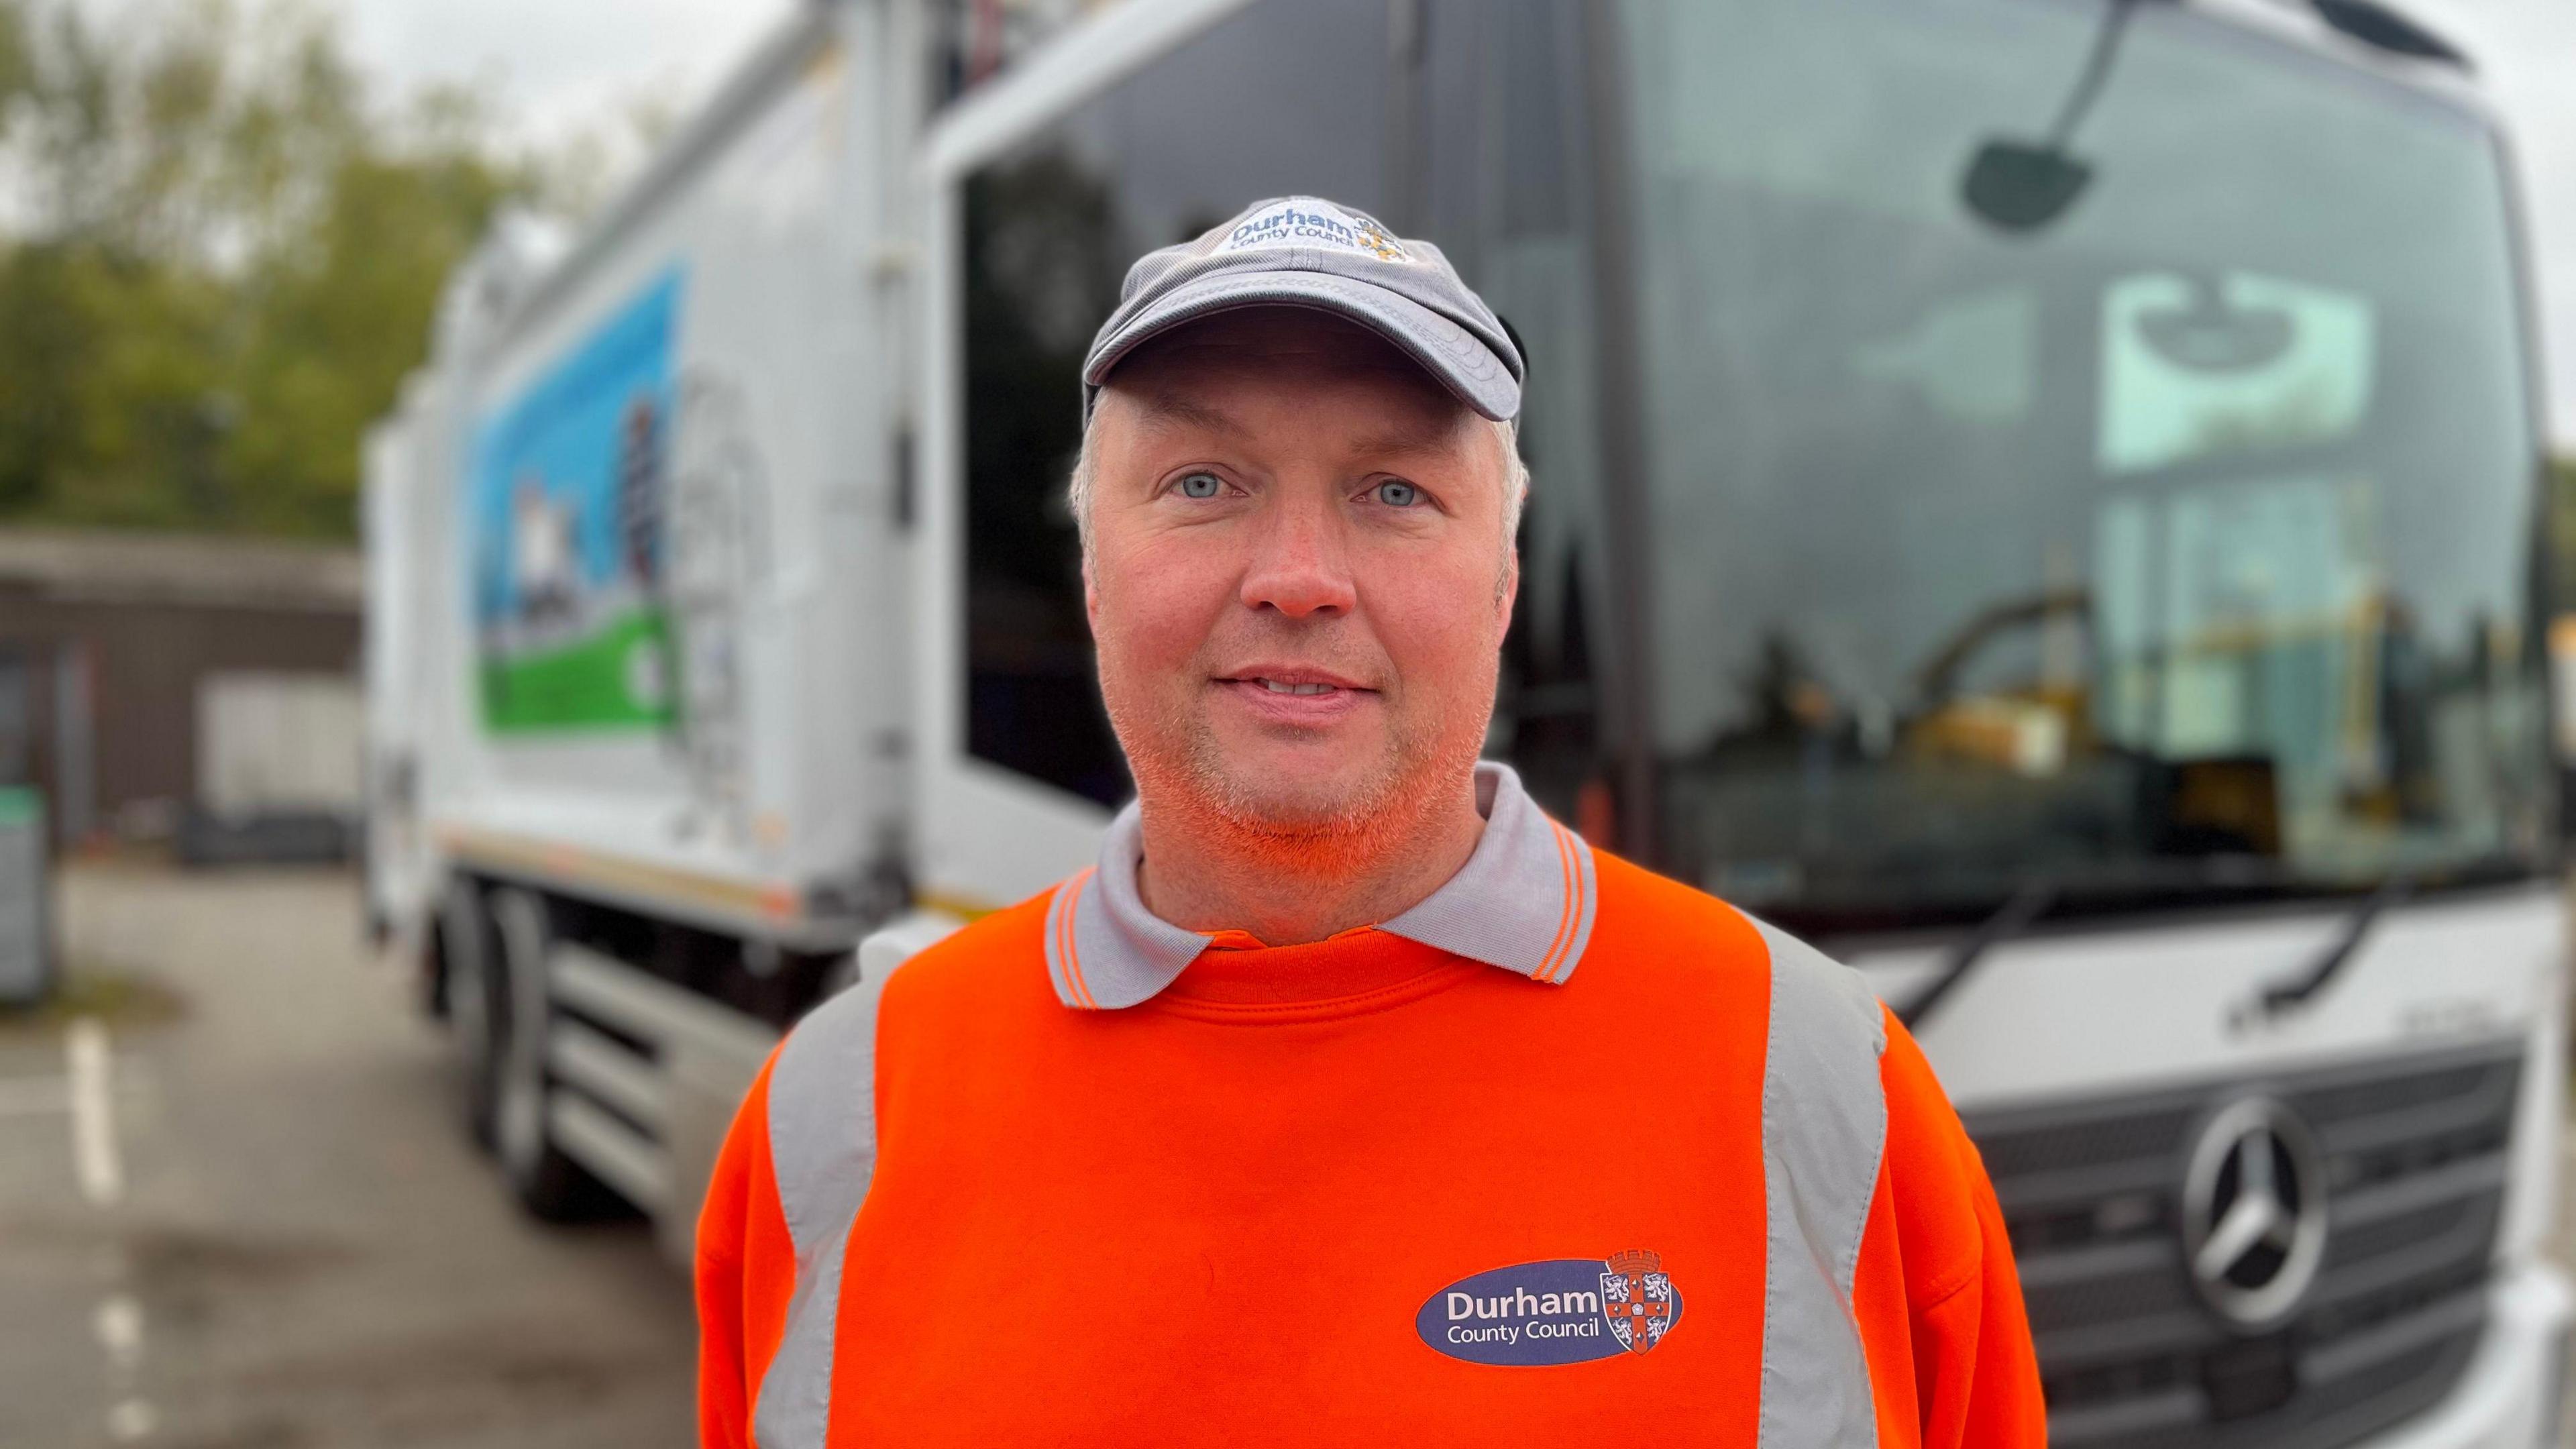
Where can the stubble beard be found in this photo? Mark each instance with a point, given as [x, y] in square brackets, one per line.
[1182, 774]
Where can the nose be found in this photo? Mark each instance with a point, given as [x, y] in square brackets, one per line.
[1299, 564]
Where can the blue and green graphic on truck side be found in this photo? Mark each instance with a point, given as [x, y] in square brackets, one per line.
[585, 684]
[566, 508]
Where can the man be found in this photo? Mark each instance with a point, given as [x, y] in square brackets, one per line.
[1348, 1099]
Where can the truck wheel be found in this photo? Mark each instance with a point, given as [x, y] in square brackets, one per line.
[548, 1183]
[465, 940]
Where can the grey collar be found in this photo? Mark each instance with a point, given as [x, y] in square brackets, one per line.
[1524, 901]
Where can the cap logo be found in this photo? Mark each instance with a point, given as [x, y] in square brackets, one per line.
[1564, 1310]
[1308, 222]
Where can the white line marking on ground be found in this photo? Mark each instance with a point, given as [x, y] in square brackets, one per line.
[119, 1324]
[94, 1156]
[90, 1087]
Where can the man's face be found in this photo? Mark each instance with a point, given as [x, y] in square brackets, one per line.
[1298, 579]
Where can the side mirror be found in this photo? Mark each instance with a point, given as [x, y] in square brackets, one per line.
[2018, 187]
[2021, 186]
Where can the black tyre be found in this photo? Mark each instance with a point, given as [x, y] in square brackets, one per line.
[550, 1184]
[466, 950]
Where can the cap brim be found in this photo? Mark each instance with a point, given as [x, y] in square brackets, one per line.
[1448, 351]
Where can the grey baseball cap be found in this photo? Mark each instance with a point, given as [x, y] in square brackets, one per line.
[1304, 251]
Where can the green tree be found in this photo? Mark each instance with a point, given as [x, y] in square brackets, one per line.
[341, 313]
[224, 258]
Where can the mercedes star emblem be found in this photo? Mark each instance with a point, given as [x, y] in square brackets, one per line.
[2254, 1213]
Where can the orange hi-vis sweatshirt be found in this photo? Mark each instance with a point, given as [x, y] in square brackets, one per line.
[1075, 1176]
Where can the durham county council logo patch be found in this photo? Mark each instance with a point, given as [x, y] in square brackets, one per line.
[1305, 221]
[1563, 1310]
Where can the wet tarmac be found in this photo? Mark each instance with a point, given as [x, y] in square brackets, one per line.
[243, 1215]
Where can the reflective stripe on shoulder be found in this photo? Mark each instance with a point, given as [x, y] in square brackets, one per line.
[1824, 1132]
[822, 1147]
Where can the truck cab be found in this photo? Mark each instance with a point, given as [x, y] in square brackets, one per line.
[2037, 497]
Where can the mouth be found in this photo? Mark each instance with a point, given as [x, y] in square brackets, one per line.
[1294, 694]
[1282, 686]
[1278, 679]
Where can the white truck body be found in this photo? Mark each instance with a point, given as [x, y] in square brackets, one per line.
[732, 552]
[658, 860]
[632, 583]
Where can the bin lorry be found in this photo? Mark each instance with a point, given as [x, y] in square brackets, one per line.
[2038, 496]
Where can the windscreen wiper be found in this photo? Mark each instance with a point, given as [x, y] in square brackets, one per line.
[2013, 917]
[2281, 996]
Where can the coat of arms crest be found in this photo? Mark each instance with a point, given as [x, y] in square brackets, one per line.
[1637, 1298]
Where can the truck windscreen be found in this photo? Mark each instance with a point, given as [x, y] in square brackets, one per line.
[2079, 441]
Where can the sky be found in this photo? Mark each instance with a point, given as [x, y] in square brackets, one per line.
[563, 64]
[568, 64]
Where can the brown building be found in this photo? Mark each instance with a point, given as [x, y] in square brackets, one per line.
[117, 648]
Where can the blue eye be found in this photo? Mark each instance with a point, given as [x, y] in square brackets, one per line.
[1201, 485]
[1398, 495]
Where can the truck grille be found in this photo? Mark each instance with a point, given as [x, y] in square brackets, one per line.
[2414, 1152]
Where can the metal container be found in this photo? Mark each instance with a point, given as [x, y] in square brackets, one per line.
[27, 967]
